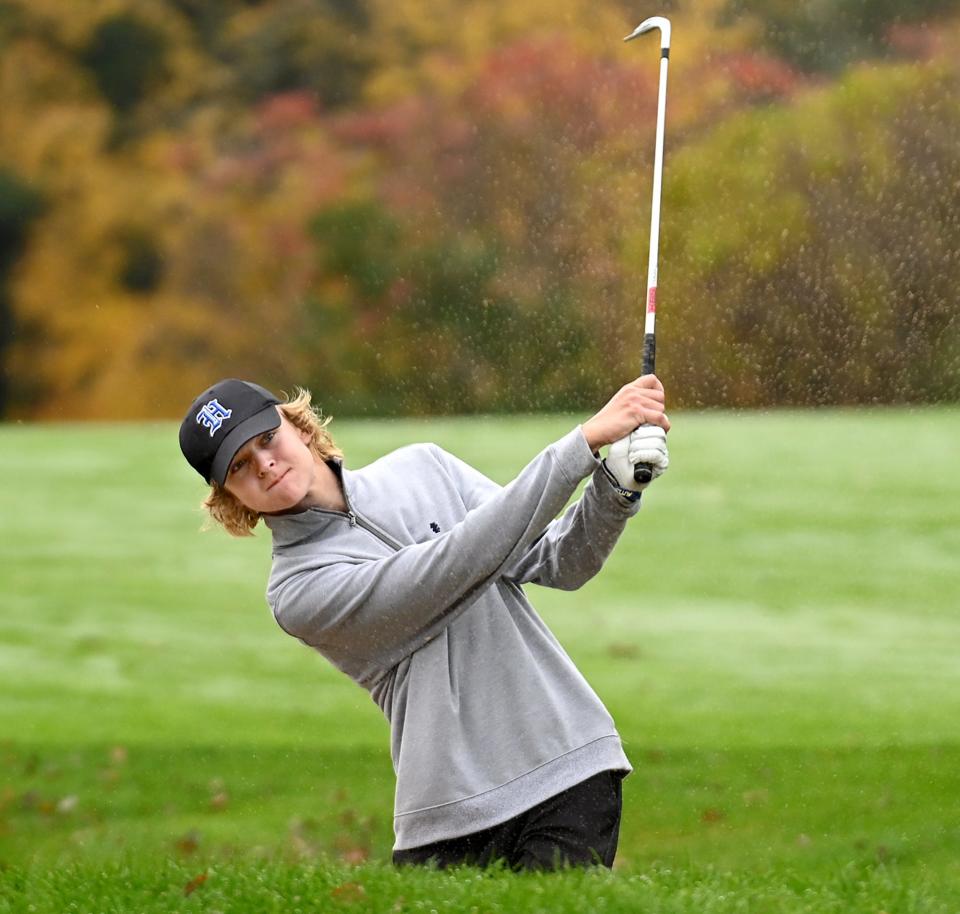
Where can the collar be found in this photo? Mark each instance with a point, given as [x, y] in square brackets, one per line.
[288, 529]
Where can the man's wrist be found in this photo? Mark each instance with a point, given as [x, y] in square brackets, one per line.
[629, 494]
[591, 436]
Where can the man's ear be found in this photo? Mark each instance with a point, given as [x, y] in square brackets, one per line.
[305, 436]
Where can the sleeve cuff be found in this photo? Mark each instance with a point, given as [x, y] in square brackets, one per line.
[629, 495]
[575, 458]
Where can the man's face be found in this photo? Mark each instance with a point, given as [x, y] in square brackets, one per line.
[274, 471]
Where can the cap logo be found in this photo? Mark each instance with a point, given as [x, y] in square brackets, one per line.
[212, 416]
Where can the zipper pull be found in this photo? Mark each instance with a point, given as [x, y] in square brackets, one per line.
[353, 518]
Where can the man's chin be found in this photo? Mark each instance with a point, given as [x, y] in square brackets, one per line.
[293, 505]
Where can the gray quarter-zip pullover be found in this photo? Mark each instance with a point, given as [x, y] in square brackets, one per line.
[416, 594]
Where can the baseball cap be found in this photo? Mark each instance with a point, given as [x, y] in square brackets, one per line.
[221, 421]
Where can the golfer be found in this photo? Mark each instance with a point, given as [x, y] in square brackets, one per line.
[408, 576]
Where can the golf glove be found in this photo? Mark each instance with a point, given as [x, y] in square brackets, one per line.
[647, 444]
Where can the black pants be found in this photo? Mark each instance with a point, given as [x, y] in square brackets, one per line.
[578, 827]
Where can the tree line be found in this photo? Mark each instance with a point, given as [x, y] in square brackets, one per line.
[425, 207]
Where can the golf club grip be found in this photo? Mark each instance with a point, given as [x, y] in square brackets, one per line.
[649, 353]
[643, 472]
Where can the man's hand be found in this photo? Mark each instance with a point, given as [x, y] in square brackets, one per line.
[640, 402]
[647, 444]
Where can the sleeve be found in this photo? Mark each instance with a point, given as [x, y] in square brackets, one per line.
[573, 547]
[378, 612]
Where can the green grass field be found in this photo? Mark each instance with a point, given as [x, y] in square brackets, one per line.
[777, 636]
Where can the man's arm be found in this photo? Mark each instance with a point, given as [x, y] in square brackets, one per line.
[574, 546]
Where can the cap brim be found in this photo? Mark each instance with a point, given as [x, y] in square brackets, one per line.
[264, 421]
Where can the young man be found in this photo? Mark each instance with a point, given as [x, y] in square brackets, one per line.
[407, 575]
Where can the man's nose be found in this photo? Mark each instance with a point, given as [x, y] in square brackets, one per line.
[264, 461]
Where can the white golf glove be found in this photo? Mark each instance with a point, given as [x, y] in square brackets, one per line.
[647, 444]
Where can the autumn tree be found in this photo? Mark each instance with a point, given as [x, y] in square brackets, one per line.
[428, 205]
[814, 249]
[830, 35]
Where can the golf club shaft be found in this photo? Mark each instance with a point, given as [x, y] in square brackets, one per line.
[643, 472]
[649, 329]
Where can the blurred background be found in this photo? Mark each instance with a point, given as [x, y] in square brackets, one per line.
[442, 206]
[429, 209]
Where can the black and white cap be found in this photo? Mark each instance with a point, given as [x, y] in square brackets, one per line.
[221, 421]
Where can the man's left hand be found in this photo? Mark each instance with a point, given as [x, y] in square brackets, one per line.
[647, 444]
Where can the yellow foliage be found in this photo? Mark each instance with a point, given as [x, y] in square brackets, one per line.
[439, 45]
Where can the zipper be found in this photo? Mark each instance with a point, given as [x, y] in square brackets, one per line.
[356, 520]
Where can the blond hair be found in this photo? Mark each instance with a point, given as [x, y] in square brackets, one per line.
[233, 515]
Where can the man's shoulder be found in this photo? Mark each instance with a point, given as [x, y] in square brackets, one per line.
[419, 454]
[407, 491]
[410, 463]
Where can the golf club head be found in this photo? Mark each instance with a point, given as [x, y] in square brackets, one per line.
[648, 25]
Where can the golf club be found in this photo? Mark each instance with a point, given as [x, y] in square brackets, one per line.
[643, 472]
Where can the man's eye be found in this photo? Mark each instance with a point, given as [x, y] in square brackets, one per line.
[268, 437]
[237, 466]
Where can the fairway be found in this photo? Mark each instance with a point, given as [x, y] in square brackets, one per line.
[776, 635]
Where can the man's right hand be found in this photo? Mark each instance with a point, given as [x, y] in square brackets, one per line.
[640, 402]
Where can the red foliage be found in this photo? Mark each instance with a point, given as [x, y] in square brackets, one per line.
[287, 110]
[548, 82]
[916, 41]
[535, 101]
[757, 77]
[379, 129]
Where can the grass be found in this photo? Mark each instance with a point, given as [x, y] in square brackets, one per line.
[776, 636]
[283, 887]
